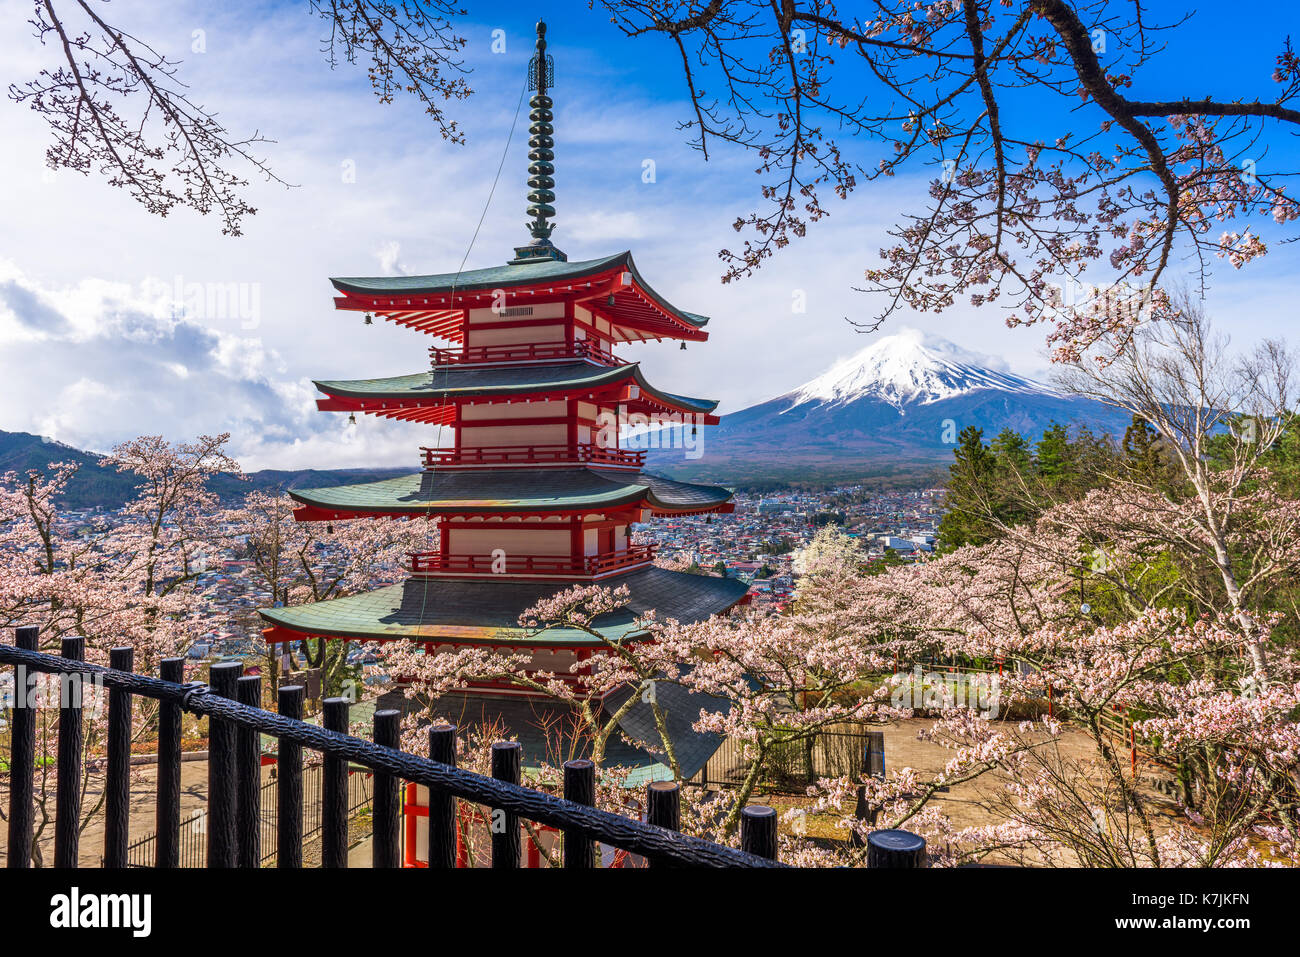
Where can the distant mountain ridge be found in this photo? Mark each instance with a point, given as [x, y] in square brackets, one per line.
[98, 485]
[896, 405]
[891, 412]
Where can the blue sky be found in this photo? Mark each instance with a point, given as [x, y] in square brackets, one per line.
[87, 277]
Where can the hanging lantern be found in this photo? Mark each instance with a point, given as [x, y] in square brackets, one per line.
[329, 529]
[683, 347]
[352, 418]
[610, 301]
[370, 320]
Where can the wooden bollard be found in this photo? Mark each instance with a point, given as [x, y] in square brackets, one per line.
[758, 831]
[894, 848]
[507, 765]
[334, 789]
[442, 806]
[579, 787]
[663, 807]
[384, 845]
[222, 796]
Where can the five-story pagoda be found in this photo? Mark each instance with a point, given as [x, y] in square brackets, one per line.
[536, 491]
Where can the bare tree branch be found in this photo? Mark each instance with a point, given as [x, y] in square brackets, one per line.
[1015, 216]
[116, 106]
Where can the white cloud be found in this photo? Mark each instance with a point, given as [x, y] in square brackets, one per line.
[88, 279]
[388, 254]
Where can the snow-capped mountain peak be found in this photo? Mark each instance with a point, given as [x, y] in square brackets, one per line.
[910, 367]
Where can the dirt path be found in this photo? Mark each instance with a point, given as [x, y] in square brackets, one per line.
[962, 803]
[144, 784]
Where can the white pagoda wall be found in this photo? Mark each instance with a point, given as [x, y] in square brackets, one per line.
[481, 322]
[514, 541]
[477, 430]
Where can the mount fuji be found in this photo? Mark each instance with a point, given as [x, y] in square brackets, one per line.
[895, 406]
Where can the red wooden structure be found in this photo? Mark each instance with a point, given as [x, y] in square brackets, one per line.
[527, 483]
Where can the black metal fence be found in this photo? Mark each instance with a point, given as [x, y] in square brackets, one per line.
[193, 830]
[233, 831]
[832, 752]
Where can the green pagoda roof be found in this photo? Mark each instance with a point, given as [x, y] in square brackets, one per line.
[507, 277]
[487, 611]
[450, 381]
[493, 277]
[511, 490]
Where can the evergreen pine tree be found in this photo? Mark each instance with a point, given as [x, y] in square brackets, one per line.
[1144, 457]
[1052, 456]
[971, 493]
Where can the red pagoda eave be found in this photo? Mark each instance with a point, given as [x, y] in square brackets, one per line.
[441, 409]
[443, 314]
[314, 513]
[726, 508]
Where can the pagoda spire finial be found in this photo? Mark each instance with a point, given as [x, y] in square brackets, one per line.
[541, 156]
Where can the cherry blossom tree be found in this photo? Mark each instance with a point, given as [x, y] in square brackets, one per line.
[1186, 685]
[303, 562]
[116, 104]
[1180, 377]
[786, 679]
[633, 664]
[1034, 120]
[830, 554]
[782, 681]
[1105, 606]
[129, 581]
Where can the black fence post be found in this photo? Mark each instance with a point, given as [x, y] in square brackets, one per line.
[873, 766]
[384, 843]
[288, 794]
[167, 813]
[334, 806]
[117, 778]
[580, 788]
[507, 765]
[893, 848]
[221, 770]
[22, 755]
[442, 806]
[248, 744]
[67, 801]
[758, 831]
[663, 808]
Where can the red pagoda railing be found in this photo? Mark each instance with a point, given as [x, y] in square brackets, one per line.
[524, 352]
[585, 454]
[432, 563]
